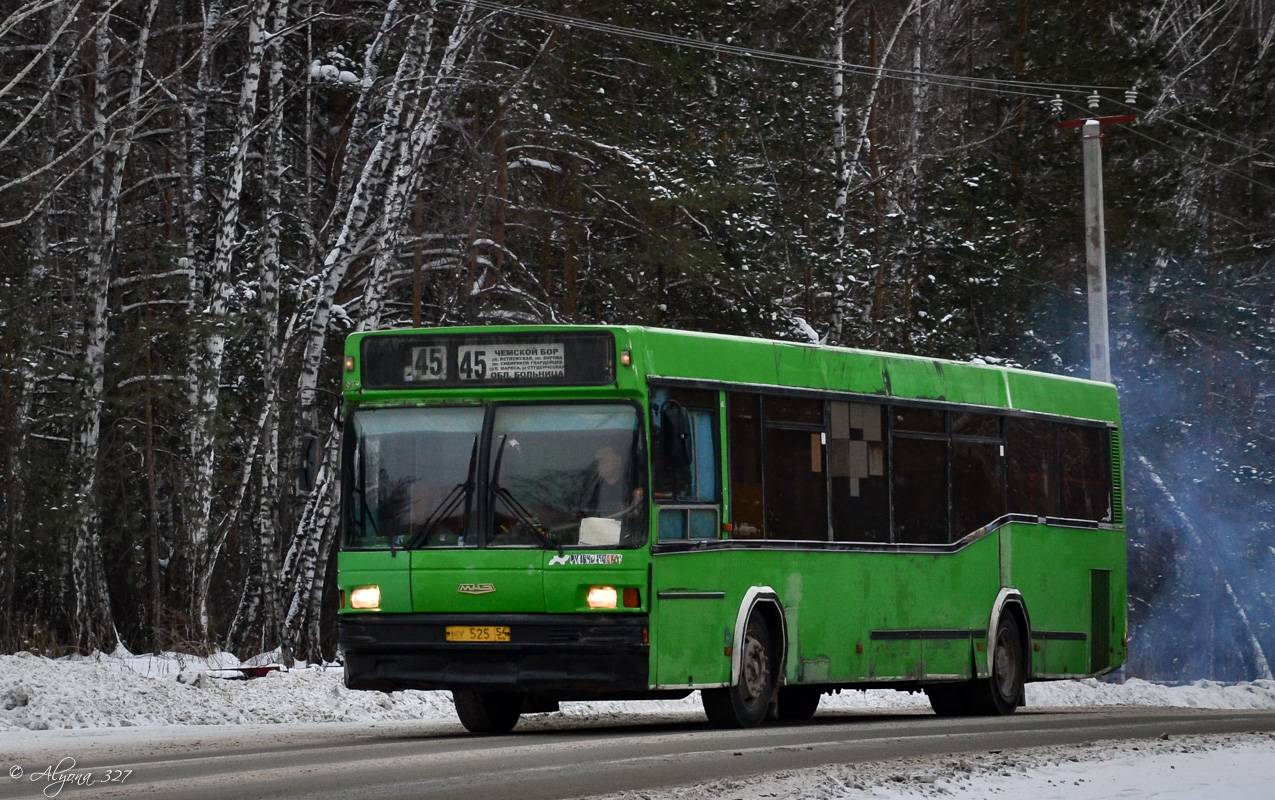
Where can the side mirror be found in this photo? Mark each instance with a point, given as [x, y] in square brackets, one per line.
[309, 466]
[675, 423]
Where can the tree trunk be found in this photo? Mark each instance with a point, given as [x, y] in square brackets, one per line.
[204, 546]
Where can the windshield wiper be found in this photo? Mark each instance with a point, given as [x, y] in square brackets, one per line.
[459, 493]
[520, 511]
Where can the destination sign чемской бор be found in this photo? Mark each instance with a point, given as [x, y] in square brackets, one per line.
[503, 362]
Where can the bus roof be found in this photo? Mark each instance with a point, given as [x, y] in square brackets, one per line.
[720, 358]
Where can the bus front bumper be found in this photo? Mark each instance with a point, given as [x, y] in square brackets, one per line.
[559, 655]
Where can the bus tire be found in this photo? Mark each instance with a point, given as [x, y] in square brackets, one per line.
[745, 703]
[798, 703]
[1002, 691]
[487, 712]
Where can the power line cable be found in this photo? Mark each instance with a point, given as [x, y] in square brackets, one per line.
[1018, 88]
[1000, 86]
[1202, 130]
[961, 81]
[1187, 153]
[1203, 160]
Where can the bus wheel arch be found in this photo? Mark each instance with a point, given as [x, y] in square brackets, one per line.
[758, 649]
[1011, 609]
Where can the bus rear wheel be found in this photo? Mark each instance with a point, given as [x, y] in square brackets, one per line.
[744, 704]
[996, 695]
[487, 712]
[1001, 692]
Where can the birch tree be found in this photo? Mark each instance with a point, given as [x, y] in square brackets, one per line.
[203, 541]
[266, 522]
[94, 617]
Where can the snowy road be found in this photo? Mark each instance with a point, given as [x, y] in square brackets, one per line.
[184, 732]
[556, 759]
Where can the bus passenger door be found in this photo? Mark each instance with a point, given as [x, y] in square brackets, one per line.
[691, 625]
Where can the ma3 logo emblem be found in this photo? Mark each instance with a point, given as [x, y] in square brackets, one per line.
[476, 588]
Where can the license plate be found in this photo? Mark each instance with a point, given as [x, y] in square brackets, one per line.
[477, 633]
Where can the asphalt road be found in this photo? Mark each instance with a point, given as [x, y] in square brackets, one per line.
[540, 761]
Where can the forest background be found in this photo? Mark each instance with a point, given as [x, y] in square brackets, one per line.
[199, 199]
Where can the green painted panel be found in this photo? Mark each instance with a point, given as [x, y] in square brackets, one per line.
[931, 379]
[897, 660]
[567, 584]
[689, 635]
[834, 601]
[376, 568]
[514, 577]
[917, 378]
[1050, 394]
[1051, 568]
[758, 361]
[1066, 657]
[948, 657]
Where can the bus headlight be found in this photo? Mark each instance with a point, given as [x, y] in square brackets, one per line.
[365, 597]
[602, 597]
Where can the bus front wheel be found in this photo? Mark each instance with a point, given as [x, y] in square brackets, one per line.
[744, 704]
[488, 712]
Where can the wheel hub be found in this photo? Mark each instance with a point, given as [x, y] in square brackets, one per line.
[756, 671]
[1005, 664]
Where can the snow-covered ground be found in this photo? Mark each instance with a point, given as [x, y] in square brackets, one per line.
[1232, 767]
[123, 690]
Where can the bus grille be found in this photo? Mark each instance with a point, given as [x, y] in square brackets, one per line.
[1117, 479]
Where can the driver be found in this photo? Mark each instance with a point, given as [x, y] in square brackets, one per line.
[606, 491]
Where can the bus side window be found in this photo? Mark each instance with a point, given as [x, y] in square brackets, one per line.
[796, 488]
[978, 472]
[920, 476]
[858, 472]
[920, 491]
[691, 493]
[1086, 473]
[1031, 446]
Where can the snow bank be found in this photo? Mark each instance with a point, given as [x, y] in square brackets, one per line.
[1233, 766]
[123, 690]
[1136, 692]
[109, 691]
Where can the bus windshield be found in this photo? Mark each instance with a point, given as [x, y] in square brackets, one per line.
[572, 472]
[409, 477]
[564, 475]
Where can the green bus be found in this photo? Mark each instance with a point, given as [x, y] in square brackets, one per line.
[533, 514]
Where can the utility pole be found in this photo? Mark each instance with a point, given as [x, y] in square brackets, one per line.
[1095, 241]
[1096, 255]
